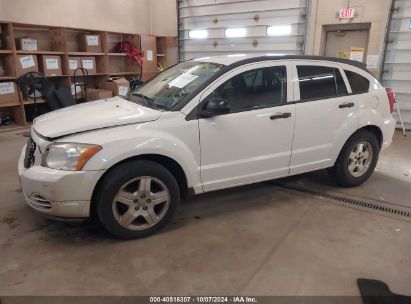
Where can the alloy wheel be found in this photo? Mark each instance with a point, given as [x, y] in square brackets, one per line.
[360, 159]
[141, 203]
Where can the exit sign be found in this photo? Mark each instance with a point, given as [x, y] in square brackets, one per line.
[346, 13]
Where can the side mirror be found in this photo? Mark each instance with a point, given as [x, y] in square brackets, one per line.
[214, 107]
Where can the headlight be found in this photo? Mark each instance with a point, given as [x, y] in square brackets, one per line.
[68, 156]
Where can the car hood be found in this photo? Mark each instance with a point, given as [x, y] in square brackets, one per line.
[111, 112]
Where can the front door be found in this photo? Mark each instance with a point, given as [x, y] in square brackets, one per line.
[253, 141]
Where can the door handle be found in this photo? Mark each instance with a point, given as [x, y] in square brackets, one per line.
[346, 105]
[280, 115]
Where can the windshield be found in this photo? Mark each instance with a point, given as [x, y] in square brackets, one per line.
[171, 86]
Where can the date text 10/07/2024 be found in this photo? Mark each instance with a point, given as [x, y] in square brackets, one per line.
[203, 299]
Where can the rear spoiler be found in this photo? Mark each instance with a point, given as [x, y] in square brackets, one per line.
[358, 64]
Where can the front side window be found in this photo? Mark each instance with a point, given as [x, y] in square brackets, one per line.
[259, 88]
[358, 83]
[317, 82]
[171, 86]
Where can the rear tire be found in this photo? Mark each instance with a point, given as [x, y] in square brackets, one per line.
[137, 199]
[357, 159]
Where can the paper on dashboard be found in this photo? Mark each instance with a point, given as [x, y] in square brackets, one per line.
[182, 80]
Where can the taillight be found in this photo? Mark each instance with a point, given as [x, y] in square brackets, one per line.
[391, 98]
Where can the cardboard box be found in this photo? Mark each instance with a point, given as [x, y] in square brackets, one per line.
[89, 63]
[96, 94]
[26, 44]
[26, 63]
[119, 86]
[50, 65]
[73, 63]
[8, 93]
[89, 43]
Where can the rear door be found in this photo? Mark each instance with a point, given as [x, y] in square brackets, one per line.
[326, 115]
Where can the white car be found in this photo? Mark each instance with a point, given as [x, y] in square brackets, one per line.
[203, 125]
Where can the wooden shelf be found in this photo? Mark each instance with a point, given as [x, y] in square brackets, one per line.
[16, 110]
[6, 52]
[56, 76]
[124, 73]
[8, 77]
[20, 52]
[85, 54]
[14, 126]
[31, 101]
[11, 104]
[117, 54]
[161, 55]
[94, 74]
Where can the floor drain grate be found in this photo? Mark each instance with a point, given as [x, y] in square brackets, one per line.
[380, 207]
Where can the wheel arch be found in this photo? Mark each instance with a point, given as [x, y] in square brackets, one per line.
[370, 128]
[170, 164]
[339, 169]
[374, 130]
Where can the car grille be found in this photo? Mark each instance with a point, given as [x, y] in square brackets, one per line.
[29, 155]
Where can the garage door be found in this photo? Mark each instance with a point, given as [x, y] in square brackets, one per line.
[396, 72]
[258, 26]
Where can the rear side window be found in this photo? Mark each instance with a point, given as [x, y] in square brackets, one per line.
[358, 83]
[318, 82]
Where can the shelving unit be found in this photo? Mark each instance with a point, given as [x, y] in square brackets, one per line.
[167, 49]
[63, 42]
[20, 52]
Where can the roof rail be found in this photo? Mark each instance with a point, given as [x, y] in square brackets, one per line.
[360, 65]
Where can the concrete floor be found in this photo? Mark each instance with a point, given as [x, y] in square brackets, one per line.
[254, 240]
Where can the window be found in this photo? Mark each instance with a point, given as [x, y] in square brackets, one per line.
[259, 88]
[358, 83]
[318, 82]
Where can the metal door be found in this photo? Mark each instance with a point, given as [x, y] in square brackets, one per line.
[396, 71]
[255, 16]
[343, 41]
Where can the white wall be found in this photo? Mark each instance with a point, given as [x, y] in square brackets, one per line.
[132, 16]
[164, 17]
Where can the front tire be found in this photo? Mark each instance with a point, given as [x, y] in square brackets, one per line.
[357, 159]
[137, 199]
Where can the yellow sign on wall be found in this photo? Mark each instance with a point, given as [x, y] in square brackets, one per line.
[357, 49]
[342, 54]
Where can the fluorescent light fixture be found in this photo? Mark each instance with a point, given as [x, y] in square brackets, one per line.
[235, 32]
[274, 54]
[198, 34]
[279, 30]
